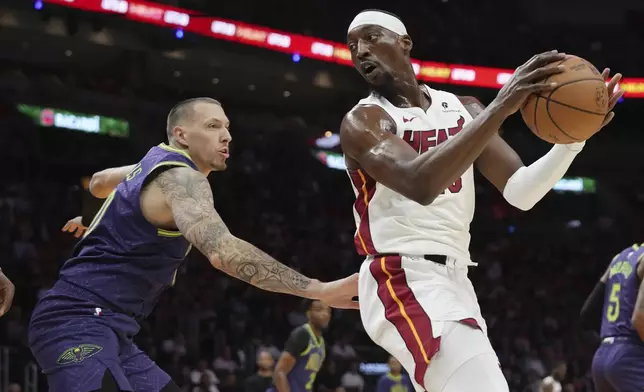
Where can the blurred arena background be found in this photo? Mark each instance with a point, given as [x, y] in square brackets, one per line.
[86, 84]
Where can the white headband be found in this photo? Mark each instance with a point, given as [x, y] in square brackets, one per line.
[379, 18]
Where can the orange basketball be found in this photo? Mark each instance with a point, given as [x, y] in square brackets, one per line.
[574, 110]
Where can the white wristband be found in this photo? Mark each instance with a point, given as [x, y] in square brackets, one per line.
[530, 184]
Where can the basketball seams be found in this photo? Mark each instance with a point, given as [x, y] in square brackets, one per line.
[572, 107]
[535, 122]
[536, 103]
[555, 123]
[549, 97]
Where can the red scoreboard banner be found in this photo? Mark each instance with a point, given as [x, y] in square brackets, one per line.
[305, 46]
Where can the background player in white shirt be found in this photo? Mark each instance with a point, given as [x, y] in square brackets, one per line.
[415, 199]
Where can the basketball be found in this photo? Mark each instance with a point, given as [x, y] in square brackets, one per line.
[574, 110]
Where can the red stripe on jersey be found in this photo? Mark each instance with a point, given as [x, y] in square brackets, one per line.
[404, 311]
[366, 187]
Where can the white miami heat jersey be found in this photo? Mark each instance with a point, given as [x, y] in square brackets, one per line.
[388, 222]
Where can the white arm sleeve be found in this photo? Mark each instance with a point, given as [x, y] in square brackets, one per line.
[530, 184]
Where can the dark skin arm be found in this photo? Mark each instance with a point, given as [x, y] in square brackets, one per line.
[638, 313]
[369, 142]
[498, 161]
[282, 369]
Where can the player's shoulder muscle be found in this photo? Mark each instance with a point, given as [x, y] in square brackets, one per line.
[363, 127]
[472, 104]
[183, 182]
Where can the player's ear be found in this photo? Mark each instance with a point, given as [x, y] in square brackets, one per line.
[180, 136]
[405, 42]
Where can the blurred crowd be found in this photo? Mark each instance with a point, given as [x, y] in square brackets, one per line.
[213, 333]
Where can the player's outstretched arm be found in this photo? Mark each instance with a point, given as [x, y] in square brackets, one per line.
[188, 194]
[367, 137]
[104, 182]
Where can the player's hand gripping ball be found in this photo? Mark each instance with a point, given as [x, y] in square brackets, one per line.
[577, 108]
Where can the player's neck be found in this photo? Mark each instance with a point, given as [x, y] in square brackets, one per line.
[204, 169]
[404, 91]
[316, 331]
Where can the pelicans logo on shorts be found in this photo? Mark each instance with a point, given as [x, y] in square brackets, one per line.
[78, 353]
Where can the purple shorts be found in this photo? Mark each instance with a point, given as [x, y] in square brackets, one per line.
[618, 365]
[75, 341]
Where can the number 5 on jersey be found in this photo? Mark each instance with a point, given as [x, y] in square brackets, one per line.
[612, 313]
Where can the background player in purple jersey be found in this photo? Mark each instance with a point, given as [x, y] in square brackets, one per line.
[81, 330]
[304, 352]
[619, 361]
[395, 380]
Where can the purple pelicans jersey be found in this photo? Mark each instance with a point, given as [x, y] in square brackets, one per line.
[310, 351]
[123, 258]
[619, 361]
[84, 325]
[622, 287]
[394, 383]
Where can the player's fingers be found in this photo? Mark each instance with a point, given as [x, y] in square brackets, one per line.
[544, 59]
[609, 117]
[616, 97]
[78, 233]
[612, 84]
[66, 227]
[606, 73]
[542, 73]
[538, 87]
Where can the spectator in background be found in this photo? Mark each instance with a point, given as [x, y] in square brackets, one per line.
[343, 350]
[552, 383]
[14, 388]
[394, 380]
[352, 381]
[203, 379]
[268, 346]
[262, 380]
[225, 363]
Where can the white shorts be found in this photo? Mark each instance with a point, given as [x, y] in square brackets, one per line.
[413, 307]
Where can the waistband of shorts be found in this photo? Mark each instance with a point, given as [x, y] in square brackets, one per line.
[76, 291]
[622, 339]
[438, 259]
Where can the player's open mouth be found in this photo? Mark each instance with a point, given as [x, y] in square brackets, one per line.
[224, 152]
[368, 67]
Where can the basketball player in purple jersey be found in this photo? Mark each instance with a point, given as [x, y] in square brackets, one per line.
[618, 365]
[81, 330]
[304, 352]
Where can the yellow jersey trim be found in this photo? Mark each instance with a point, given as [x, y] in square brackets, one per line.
[174, 149]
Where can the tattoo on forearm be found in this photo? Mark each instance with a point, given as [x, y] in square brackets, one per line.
[189, 195]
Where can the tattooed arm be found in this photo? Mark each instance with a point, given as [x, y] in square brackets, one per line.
[188, 194]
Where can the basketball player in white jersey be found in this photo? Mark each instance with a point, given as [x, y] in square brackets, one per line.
[410, 152]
